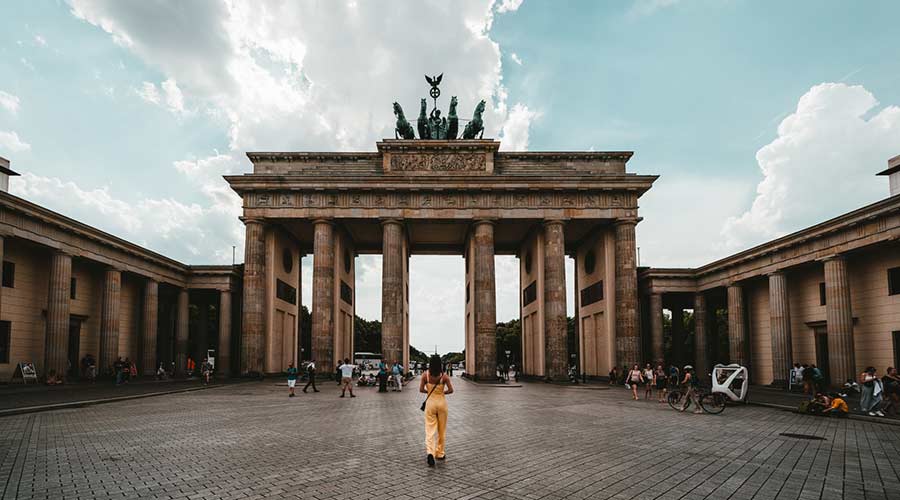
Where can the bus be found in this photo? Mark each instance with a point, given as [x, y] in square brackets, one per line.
[367, 360]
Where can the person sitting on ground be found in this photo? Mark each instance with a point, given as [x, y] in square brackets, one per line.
[817, 405]
[838, 407]
[891, 383]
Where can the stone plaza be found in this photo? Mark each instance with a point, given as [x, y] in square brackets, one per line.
[250, 440]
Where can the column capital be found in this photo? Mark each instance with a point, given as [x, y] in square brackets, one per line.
[832, 257]
[323, 220]
[552, 222]
[478, 222]
[734, 284]
[633, 221]
[251, 220]
[392, 220]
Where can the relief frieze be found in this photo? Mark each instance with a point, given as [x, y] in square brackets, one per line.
[438, 162]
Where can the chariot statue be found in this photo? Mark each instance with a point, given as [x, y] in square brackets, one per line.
[431, 125]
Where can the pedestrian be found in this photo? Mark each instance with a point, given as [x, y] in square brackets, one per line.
[206, 370]
[311, 373]
[436, 384]
[690, 387]
[634, 379]
[397, 373]
[870, 401]
[891, 384]
[382, 378]
[190, 366]
[337, 372]
[818, 378]
[291, 378]
[648, 381]
[674, 377]
[347, 377]
[613, 375]
[119, 369]
[659, 378]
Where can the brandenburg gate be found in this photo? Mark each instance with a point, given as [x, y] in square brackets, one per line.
[442, 196]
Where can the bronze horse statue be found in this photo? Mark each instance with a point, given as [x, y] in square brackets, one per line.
[403, 130]
[453, 127]
[476, 126]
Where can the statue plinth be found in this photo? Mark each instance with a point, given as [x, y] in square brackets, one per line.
[429, 157]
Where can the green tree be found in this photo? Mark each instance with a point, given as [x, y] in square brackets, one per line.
[509, 338]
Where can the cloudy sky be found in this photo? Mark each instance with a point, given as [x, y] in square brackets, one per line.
[761, 118]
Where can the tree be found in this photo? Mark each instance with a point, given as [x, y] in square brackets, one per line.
[509, 338]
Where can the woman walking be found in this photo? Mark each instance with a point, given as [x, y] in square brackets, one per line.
[635, 378]
[648, 381]
[660, 377]
[436, 384]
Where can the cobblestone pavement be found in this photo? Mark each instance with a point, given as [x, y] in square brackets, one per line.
[538, 441]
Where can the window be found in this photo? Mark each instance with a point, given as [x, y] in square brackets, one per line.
[4, 341]
[592, 294]
[893, 281]
[346, 293]
[285, 292]
[72, 288]
[529, 295]
[9, 274]
[821, 294]
[896, 336]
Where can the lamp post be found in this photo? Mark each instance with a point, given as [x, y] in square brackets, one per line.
[574, 374]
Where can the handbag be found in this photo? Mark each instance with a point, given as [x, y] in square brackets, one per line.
[433, 387]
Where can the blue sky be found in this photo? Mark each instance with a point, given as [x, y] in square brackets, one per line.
[760, 117]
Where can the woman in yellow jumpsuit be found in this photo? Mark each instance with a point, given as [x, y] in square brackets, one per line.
[436, 383]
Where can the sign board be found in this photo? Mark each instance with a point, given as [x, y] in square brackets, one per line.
[26, 372]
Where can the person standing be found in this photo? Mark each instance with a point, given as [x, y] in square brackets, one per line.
[347, 377]
[397, 373]
[436, 384]
[292, 379]
[311, 372]
[119, 368]
[659, 377]
[382, 378]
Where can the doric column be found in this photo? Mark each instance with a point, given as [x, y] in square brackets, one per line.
[109, 319]
[701, 350]
[839, 319]
[181, 332]
[656, 327]
[780, 327]
[555, 323]
[485, 302]
[628, 337]
[392, 290]
[223, 362]
[2, 252]
[148, 327]
[56, 346]
[323, 295]
[737, 338]
[253, 328]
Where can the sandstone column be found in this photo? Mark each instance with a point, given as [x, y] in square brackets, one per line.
[148, 327]
[181, 332]
[555, 346]
[780, 325]
[656, 327]
[109, 319]
[737, 339]
[628, 337]
[839, 320]
[2, 250]
[323, 296]
[485, 302]
[701, 350]
[223, 360]
[57, 340]
[253, 328]
[392, 290]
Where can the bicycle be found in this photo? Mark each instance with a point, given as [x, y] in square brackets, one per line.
[710, 402]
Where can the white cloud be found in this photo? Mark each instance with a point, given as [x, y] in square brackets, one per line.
[38, 39]
[26, 63]
[167, 94]
[514, 135]
[190, 232]
[284, 78]
[515, 58]
[508, 5]
[821, 164]
[10, 141]
[9, 102]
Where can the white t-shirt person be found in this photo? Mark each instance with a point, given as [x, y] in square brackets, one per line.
[347, 370]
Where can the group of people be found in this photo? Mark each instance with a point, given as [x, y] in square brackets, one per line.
[661, 379]
[879, 394]
[387, 374]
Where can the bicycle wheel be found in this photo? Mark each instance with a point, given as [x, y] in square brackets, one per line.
[674, 400]
[713, 402]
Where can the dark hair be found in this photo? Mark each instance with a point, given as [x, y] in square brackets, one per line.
[435, 367]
